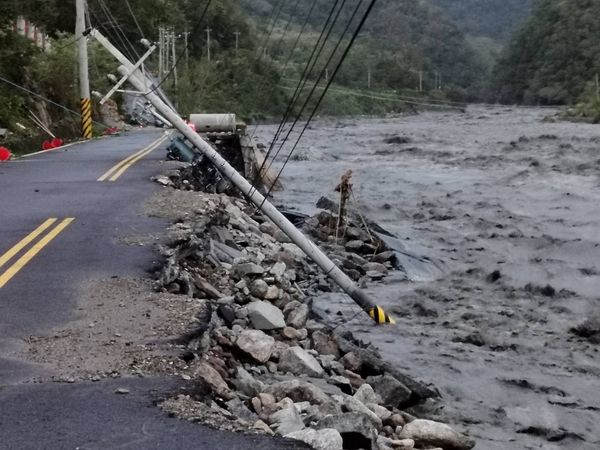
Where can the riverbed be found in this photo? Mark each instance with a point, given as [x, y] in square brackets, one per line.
[496, 212]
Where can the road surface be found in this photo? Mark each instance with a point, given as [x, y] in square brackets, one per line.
[63, 213]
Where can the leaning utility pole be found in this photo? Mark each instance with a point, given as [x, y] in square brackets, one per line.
[84, 76]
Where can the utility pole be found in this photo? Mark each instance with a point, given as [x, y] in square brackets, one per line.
[174, 67]
[597, 88]
[84, 76]
[161, 40]
[186, 36]
[208, 30]
[369, 78]
[420, 80]
[326, 75]
[237, 39]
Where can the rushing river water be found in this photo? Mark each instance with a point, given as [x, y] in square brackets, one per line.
[497, 213]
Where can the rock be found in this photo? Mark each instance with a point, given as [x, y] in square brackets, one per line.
[293, 334]
[260, 425]
[256, 344]
[380, 411]
[342, 382]
[392, 392]
[356, 429]
[256, 405]
[354, 246]
[273, 293]
[395, 420]
[366, 394]
[298, 391]
[298, 316]
[265, 316]
[278, 270]
[387, 443]
[267, 228]
[245, 269]
[227, 313]
[383, 257]
[266, 399]
[325, 439]
[430, 433]
[259, 288]
[324, 344]
[351, 362]
[237, 408]
[297, 361]
[247, 384]
[165, 181]
[376, 267]
[122, 391]
[209, 375]
[208, 289]
[278, 350]
[286, 421]
[353, 405]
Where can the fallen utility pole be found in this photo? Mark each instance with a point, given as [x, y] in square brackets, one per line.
[297, 237]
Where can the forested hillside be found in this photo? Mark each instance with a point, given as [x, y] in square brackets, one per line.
[555, 58]
[402, 40]
[495, 19]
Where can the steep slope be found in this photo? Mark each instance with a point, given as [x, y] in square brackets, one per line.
[414, 31]
[553, 58]
[495, 19]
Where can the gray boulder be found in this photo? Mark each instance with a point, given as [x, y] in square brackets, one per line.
[436, 434]
[259, 288]
[392, 392]
[247, 384]
[256, 344]
[286, 421]
[245, 269]
[265, 316]
[297, 361]
[353, 426]
[211, 377]
[326, 439]
[298, 391]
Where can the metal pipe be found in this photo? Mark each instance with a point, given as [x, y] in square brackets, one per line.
[297, 237]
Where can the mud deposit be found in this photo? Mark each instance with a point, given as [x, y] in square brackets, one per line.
[498, 223]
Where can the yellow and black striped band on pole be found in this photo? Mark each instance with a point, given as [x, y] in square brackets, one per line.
[379, 316]
[86, 118]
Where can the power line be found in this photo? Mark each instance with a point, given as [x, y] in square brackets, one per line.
[34, 94]
[137, 24]
[306, 20]
[287, 27]
[329, 83]
[306, 73]
[308, 98]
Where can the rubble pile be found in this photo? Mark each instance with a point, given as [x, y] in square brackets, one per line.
[266, 363]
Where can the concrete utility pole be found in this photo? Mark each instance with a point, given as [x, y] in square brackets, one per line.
[174, 67]
[369, 78]
[84, 76]
[420, 81]
[208, 30]
[186, 40]
[237, 39]
[161, 39]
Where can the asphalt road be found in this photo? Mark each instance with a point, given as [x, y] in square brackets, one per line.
[76, 221]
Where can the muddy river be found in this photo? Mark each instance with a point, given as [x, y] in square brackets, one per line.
[497, 217]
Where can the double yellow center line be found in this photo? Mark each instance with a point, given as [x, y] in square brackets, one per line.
[34, 250]
[119, 169]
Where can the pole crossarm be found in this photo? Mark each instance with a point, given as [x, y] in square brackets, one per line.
[123, 80]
